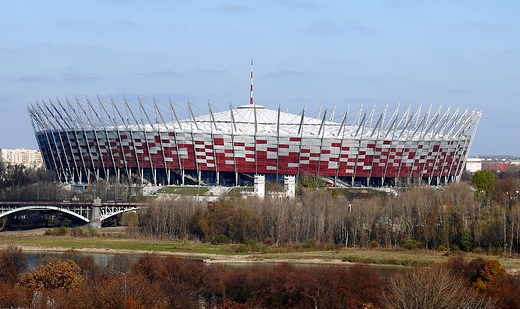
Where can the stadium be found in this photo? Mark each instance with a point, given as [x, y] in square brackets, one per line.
[141, 142]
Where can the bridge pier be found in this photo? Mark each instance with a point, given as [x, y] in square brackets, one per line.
[95, 214]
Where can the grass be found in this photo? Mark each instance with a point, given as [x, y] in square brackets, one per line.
[152, 245]
[186, 190]
[295, 254]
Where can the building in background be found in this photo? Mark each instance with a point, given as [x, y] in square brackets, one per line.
[146, 142]
[496, 163]
[473, 165]
[26, 157]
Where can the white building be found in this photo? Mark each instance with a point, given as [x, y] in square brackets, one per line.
[20, 156]
[259, 186]
[289, 185]
[473, 165]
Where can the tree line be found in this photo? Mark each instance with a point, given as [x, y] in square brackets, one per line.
[73, 280]
[481, 213]
[455, 216]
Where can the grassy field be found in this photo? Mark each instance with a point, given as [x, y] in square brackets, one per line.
[229, 253]
[186, 190]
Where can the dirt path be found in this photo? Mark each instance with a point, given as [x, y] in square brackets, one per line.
[32, 232]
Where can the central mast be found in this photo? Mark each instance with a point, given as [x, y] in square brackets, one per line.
[251, 86]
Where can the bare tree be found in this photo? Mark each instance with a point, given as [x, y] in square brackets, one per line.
[432, 288]
[3, 223]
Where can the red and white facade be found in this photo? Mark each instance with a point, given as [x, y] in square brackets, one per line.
[80, 141]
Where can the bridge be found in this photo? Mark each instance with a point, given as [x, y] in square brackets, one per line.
[89, 212]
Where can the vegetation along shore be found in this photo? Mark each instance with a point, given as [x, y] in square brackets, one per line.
[465, 236]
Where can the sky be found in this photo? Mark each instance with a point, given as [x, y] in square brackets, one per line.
[317, 54]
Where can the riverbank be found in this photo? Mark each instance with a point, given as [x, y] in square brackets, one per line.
[36, 240]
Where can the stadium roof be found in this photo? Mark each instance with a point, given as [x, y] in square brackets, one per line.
[256, 119]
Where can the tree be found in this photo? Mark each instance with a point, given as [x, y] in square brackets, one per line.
[88, 268]
[504, 192]
[15, 296]
[149, 266]
[17, 256]
[432, 288]
[307, 182]
[8, 273]
[509, 292]
[490, 276]
[55, 274]
[12, 263]
[119, 264]
[483, 181]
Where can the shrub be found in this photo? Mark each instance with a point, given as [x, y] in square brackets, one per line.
[268, 241]
[76, 232]
[495, 251]
[479, 250]
[411, 244]
[91, 232]
[56, 231]
[311, 243]
[422, 285]
[455, 248]
[242, 248]
[220, 239]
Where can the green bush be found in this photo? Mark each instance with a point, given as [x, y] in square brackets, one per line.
[242, 249]
[311, 244]
[455, 248]
[56, 231]
[91, 232]
[268, 241]
[220, 239]
[495, 251]
[411, 244]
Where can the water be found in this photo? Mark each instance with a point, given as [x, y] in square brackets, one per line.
[35, 258]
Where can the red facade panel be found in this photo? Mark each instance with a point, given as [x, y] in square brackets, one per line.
[265, 155]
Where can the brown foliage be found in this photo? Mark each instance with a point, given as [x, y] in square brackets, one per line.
[19, 259]
[167, 218]
[490, 276]
[285, 286]
[484, 275]
[14, 296]
[509, 292]
[12, 263]
[432, 288]
[171, 282]
[88, 268]
[55, 274]
[8, 271]
[117, 265]
[150, 267]
[450, 217]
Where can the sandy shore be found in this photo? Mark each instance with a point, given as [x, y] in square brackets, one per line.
[205, 257]
[32, 232]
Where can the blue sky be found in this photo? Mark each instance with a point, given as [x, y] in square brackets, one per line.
[306, 53]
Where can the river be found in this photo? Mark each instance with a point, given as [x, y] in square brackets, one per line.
[35, 258]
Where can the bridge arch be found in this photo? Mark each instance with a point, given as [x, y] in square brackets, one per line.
[82, 214]
[110, 211]
[85, 212]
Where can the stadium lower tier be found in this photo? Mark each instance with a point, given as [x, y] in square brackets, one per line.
[188, 157]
